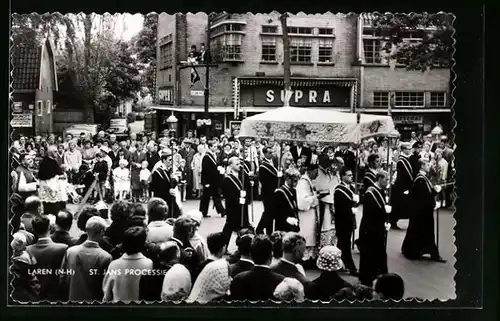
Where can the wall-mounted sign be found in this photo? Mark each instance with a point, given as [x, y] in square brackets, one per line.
[165, 96]
[235, 125]
[197, 93]
[304, 97]
[22, 120]
[408, 119]
[17, 107]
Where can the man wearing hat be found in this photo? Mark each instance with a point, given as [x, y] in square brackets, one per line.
[400, 198]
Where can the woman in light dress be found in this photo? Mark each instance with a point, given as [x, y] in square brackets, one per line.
[196, 167]
[121, 179]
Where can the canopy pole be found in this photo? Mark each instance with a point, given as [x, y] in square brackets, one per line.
[286, 60]
[356, 178]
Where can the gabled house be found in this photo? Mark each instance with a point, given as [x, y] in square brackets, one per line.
[34, 81]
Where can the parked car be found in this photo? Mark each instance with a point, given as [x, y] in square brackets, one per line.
[90, 130]
[119, 127]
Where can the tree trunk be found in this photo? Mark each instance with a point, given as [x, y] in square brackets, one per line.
[87, 104]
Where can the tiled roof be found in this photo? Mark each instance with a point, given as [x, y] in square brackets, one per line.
[26, 61]
[368, 18]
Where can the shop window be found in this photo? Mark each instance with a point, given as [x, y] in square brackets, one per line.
[300, 50]
[325, 50]
[409, 99]
[381, 99]
[269, 49]
[437, 99]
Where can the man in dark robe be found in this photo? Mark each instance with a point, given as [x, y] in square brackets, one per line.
[415, 157]
[345, 201]
[373, 232]
[420, 239]
[268, 176]
[235, 196]
[211, 181]
[371, 171]
[400, 198]
[163, 184]
[247, 178]
[187, 152]
[285, 203]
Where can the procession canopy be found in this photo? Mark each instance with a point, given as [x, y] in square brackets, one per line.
[315, 125]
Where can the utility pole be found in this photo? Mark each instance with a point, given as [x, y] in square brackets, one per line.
[286, 60]
[207, 58]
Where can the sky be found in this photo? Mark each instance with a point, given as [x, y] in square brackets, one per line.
[126, 26]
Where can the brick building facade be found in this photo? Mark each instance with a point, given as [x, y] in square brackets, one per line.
[329, 69]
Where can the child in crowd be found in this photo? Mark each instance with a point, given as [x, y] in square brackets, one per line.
[121, 178]
[101, 173]
[182, 172]
[144, 177]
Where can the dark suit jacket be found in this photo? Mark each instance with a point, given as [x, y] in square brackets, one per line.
[257, 284]
[285, 205]
[239, 267]
[289, 270]
[268, 177]
[305, 151]
[209, 172]
[349, 158]
[150, 285]
[64, 238]
[325, 286]
[49, 256]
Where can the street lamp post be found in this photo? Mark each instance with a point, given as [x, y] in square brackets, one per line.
[172, 124]
[207, 58]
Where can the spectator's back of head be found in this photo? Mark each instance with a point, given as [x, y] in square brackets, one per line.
[346, 293]
[64, 220]
[157, 211]
[289, 290]
[95, 227]
[216, 243]
[169, 252]
[133, 240]
[138, 210]
[262, 250]
[363, 292]
[390, 286]
[290, 241]
[183, 228]
[277, 241]
[86, 213]
[244, 244]
[41, 225]
[33, 205]
[120, 211]
[135, 221]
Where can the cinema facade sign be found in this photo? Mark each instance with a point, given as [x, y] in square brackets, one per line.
[305, 92]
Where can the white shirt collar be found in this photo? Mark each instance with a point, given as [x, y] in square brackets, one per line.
[246, 260]
[261, 265]
[286, 261]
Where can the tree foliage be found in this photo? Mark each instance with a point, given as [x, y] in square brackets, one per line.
[145, 48]
[434, 50]
[96, 71]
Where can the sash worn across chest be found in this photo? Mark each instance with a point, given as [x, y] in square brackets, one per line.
[270, 168]
[341, 188]
[236, 181]
[163, 173]
[212, 158]
[289, 196]
[370, 176]
[407, 166]
[426, 180]
[377, 196]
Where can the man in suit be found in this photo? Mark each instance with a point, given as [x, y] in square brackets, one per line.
[88, 263]
[163, 184]
[260, 282]
[49, 256]
[268, 176]
[415, 157]
[294, 246]
[285, 199]
[235, 196]
[347, 156]
[211, 181]
[371, 172]
[300, 150]
[244, 263]
[64, 220]
[345, 202]
[400, 198]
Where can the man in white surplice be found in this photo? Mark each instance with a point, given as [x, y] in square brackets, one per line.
[307, 203]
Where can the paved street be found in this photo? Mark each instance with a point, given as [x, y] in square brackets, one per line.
[423, 279]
